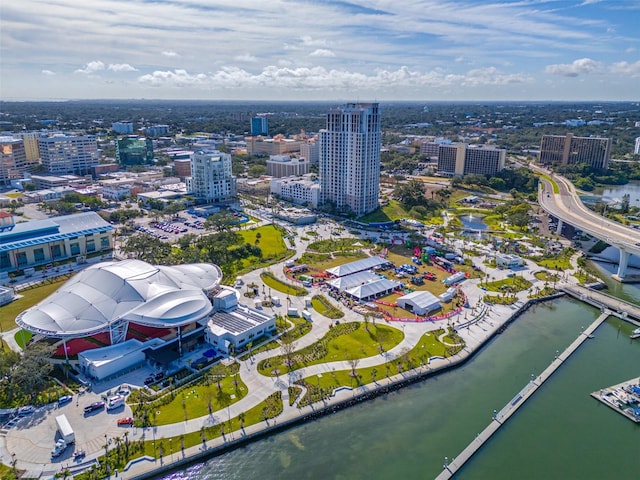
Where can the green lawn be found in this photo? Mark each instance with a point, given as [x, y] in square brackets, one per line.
[546, 276]
[324, 307]
[500, 300]
[342, 342]
[9, 312]
[270, 242]
[269, 408]
[513, 284]
[193, 401]
[339, 245]
[22, 337]
[287, 334]
[428, 346]
[388, 213]
[277, 284]
[329, 262]
[558, 262]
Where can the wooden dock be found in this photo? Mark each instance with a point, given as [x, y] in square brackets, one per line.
[499, 418]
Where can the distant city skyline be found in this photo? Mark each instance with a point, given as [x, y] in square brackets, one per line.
[455, 50]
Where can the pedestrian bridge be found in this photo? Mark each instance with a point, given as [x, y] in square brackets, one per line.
[619, 308]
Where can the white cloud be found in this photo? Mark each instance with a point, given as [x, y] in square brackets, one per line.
[320, 78]
[492, 76]
[91, 67]
[626, 68]
[246, 58]
[577, 67]
[48, 73]
[308, 41]
[170, 53]
[121, 67]
[176, 78]
[322, 52]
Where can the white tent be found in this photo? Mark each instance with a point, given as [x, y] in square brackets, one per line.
[419, 302]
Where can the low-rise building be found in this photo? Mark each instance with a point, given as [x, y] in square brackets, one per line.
[272, 146]
[233, 326]
[299, 190]
[284, 166]
[39, 242]
[504, 260]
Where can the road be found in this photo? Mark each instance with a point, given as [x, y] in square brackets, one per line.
[567, 206]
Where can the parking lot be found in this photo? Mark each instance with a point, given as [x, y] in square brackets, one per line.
[32, 437]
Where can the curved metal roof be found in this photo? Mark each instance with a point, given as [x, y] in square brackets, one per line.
[126, 291]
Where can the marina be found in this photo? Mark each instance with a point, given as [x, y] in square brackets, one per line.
[624, 398]
[499, 418]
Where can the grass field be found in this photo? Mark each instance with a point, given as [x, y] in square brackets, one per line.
[428, 346]
[342, 342]
[324, 307]
[277, 284]
[270, 242]
[9, 312]
[388, 213]
[330, 262]
[513, 284]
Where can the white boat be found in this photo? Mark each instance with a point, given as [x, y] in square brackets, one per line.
[635, 333]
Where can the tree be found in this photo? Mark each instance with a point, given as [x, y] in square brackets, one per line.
[353, 363]
[220, 221]
[287, 348]
[410, 194]
[31, 374]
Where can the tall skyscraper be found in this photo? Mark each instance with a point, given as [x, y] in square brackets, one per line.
[569, 150]
[259, 126]
[636, 150]
[350, 158]
[211, 179]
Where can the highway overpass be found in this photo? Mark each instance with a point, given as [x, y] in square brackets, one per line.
[567, 207]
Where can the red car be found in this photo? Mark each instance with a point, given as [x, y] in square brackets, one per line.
[125, 421]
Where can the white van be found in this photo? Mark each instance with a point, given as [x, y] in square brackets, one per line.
[115, 402]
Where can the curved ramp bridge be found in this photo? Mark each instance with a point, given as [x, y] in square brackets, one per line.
[566, 206]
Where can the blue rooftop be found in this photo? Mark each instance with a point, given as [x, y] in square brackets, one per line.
[38, 232]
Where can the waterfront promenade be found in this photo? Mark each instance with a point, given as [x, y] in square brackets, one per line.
[499, 418]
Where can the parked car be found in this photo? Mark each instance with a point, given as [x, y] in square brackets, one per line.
[93, 407]
[149, 380]
[125, 421]
[65, 399]
[26, 410]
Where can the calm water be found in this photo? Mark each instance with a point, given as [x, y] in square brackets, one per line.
[615, 192]
[560, 433]
[473, 221]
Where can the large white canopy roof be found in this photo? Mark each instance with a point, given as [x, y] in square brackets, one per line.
[126, 291]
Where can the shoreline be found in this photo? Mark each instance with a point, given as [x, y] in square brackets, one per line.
[139, 469]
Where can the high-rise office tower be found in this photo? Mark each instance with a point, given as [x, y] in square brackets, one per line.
[259, 126]
[350, 158]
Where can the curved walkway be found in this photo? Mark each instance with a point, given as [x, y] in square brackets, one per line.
[474, 331]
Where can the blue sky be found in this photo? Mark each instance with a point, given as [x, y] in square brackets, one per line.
[321, 49]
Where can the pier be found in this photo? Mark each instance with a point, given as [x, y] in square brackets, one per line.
[499, 418]
[625, 310]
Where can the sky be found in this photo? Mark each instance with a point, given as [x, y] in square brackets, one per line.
[438, 50]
